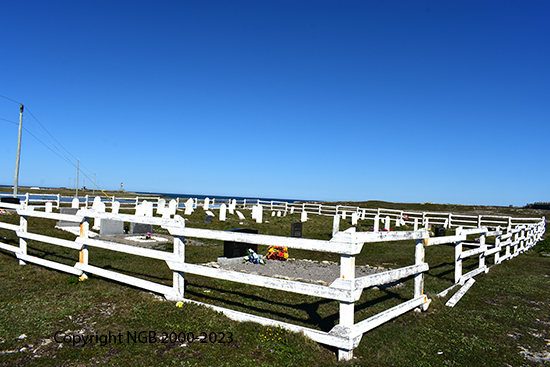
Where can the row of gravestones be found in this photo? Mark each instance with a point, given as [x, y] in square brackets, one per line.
[107, 226]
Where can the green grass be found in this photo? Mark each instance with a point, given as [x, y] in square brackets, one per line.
[506, 309]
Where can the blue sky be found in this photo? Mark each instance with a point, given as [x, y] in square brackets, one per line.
[404, 101]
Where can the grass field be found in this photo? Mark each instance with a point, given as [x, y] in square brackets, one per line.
[505, 313]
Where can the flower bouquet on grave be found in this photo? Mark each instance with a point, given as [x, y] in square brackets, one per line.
[253, 257]
[277, 253]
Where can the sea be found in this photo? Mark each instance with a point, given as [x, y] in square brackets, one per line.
[168, 195]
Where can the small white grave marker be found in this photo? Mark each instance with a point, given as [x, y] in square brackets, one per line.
[206, 203]
[354, 218]
[259, 213]
[48, 206]
[240, 215]
[116, 207]
[387, 223]
[303, 217]
[75, 203]
[189, 207]
[223, 212]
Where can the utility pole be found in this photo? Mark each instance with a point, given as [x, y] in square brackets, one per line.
[77, 169]
[16, 179]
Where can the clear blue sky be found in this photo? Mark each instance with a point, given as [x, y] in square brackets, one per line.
[405, 101]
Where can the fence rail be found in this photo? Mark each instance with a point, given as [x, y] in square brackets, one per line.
[346, 289]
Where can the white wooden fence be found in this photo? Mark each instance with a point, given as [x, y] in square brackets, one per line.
[346, 289]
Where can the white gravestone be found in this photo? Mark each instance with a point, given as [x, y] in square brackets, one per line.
[223, 212]
[387, 223]
[116, 207]
[206, 203]
[376, 223]
[48, 206]
[208, 212]
[335, 224]
[240, 215]
[259, 213]
[303, 217]
[75, 203]
[189, 207]
[172, 207]
[161, 206]
[232, 206]
[148, 208]
[354, 218]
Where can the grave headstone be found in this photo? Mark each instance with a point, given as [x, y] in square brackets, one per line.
[140, 228]
[232, 206]
[376, 223]
[111, 227]
[240, 215]
[303, 217]
[233, 249]
[172, 207]
[148, 208]
[259, 213]
[48, 207]
[189, 207]
[223, 212]
[273, 213]
[397, 222]
[116, 207]
[296, 229]
[208, 219]
[278, 213]
[354, 218]
[96, 202]
[64, 223]
[161, 206]
[206, 203]
[75, 203]
[344, 214]
[387, 223]
[208, 212]
[335, 224]
[291, 210]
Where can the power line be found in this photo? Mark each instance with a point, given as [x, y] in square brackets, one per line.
[64, 157]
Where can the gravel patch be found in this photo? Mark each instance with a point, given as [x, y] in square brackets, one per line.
[310, 271]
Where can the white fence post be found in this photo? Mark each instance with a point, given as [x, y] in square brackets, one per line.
[22, 241]
[419, 257]
[347, 309]
[483, 246]
[458, 259]
[83, 255]
[178, 277]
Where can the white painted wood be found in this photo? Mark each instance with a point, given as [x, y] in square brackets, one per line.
[63, 217]
[240, 215]
[471, 274]
[419, 255]
[461, 292]
[7, 247]
[432, 241]
[11, 227]
[75, 203]
[128, 249]
[47, 239]
[384, 316]
[293, 286]
[386, 277]
[136, 282]
[49, 264]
